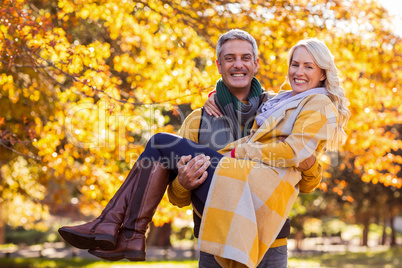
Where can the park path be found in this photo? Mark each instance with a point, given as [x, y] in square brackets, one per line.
[188, 252]
[59, 250]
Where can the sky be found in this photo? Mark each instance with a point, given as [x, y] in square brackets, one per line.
[394, 8]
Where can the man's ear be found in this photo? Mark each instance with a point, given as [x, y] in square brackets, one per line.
[257, 64]
[219, 66]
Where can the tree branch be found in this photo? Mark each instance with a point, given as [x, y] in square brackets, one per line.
[19, 153]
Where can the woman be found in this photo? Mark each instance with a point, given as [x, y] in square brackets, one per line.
[310, 66]
[309, 116]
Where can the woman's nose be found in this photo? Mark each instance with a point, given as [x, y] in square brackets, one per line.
[299, 71]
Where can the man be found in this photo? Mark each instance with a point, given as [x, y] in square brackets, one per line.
[238, 96]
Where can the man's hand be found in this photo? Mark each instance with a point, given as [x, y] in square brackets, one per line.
[211, 108]
[192, 172]
[307, 163]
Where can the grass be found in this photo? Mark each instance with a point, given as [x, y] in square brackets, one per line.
[85, 263]
[391, 258]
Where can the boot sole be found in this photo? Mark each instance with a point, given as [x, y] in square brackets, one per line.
[84, 241]
[132, 255]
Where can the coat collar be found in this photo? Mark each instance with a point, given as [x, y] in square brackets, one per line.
[274, 119]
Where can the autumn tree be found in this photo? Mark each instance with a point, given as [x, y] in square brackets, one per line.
[84, 84]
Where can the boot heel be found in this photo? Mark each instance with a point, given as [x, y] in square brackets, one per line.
[135, 255]
[84, 241]
[105, 242]
[112, 256]
[78, 240]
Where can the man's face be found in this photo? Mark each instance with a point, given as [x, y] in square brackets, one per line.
[237, 65]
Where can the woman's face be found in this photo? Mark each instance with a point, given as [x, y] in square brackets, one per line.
[304, 74]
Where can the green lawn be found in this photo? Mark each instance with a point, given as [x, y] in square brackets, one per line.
[381, 259]
[85, 263]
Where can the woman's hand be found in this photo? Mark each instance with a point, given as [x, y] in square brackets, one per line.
[307, 163]
[211, 108]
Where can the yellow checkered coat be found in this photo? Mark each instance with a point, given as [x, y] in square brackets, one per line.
[251, 195]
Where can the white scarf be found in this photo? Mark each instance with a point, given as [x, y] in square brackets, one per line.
[271, 105]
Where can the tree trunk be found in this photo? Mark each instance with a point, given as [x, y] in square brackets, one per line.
[384, 231]
[2, 226]
[299, 239]
[393, 232]
[160, 236]
[365, 232]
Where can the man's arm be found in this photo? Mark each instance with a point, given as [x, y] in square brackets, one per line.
[311, 172]
[191, 172]
[311, 175]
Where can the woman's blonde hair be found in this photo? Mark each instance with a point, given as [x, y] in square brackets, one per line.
[332, 83]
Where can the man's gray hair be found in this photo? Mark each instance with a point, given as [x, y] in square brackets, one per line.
[236, 34]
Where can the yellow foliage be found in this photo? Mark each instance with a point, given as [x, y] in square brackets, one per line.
[91, 79]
